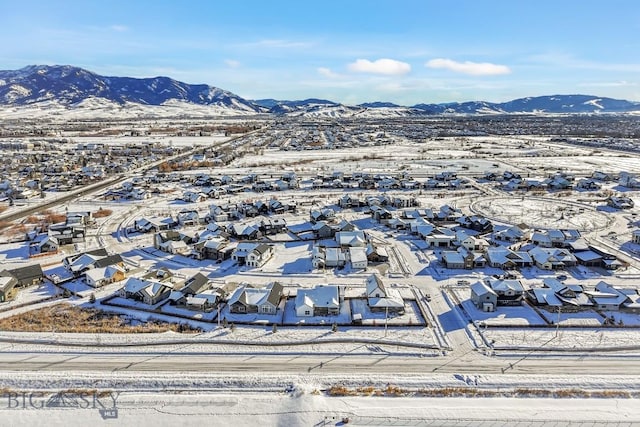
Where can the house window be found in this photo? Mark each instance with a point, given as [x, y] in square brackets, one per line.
[307, 313]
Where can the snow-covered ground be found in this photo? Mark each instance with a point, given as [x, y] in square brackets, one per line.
[299, 400]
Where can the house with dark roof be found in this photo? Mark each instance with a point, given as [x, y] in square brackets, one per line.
[195, 284]
[148, 291]
[26, 276]
[509, 291]
[259, 256]
[247, 299]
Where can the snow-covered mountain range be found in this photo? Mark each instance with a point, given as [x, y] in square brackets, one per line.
[39, 89]
[72, 86]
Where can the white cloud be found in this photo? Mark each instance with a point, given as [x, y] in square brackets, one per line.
[468, 67]
[381, 66]
[326, 72]
[232, 63]
[119, 28]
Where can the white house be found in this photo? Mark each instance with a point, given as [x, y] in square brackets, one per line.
[260, 254]
[635, 237]
[380, 298]
[358, 257]
[98, 277]
[323, 300]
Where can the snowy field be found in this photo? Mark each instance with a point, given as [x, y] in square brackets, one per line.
[248, 339]
[299, 400]
[574, 339]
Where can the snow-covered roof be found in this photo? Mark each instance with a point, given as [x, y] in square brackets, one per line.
[321, 296]
[480, 288]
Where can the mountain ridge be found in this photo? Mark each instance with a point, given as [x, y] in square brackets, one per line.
[70, 86]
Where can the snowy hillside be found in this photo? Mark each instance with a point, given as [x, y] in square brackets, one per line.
[67, 91]
[75, 87]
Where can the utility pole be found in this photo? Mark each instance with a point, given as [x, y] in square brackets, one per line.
[386, 318]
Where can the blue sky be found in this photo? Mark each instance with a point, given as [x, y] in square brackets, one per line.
[351, 51]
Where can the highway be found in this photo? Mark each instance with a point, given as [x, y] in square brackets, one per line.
[295, 363]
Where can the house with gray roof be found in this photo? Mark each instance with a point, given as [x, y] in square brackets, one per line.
[483, 297]
[247, 299]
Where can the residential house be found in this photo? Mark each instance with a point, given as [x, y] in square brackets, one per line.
[635, 237]
[620, 202]
[382, 298]
[346, 239]
[441, 238]
[155, 224]
[322, 257]
[602, 176]
[513, 234]
[241, 252]
[269, 226]
[8, 287]
[322, 300]
[376, 253]
[507, 259]
[587, 184]
[552, 258]
[188, 217]
[472, 243]
[453, 259]
[259, 256]
[66, 234]
[217, 248]
[147, 291]
[476, 223]
[629, 180]
[555, 293]
[43, 243]
[463, 258]
[325, 214]
[509, 291]
[358, 258]
[29, 275]
[541, 239]
[195, 284]
[245, 231]
[204, 301]
[610, 298]
[193, 197]
[155, 293]
[322, 230]
[98, 277]
[483, 297]
[247, 299]
[381, 214]
[588, 258]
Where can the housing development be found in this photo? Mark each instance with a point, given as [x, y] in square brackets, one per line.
[320, 256]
